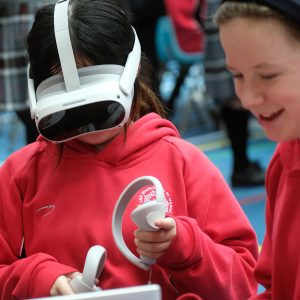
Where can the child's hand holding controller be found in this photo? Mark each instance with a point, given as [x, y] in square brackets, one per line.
[61, 285]
[154, 244]
[86, 281]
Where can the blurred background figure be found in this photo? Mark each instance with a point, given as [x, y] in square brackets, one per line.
[169, 31]
[144, 15]
[187, 18]
[219, 86]
[16, 18]
[180, 37]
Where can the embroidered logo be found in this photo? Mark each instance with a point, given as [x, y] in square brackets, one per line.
[148, 194]
[45, 210]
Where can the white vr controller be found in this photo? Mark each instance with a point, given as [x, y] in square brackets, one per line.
[93, 267]
[144, 216]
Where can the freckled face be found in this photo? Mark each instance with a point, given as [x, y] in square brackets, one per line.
[265, 62]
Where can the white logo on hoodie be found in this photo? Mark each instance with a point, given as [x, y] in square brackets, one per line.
[148, 194]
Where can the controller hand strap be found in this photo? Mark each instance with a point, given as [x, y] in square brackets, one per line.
[154, 209]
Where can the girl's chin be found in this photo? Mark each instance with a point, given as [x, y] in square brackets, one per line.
[93, 140]
[278, 138]
[97, 138]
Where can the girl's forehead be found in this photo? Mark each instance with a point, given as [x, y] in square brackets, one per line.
[260, 43]
[261, 29]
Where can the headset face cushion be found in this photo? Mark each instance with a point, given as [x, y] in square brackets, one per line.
[67, 124]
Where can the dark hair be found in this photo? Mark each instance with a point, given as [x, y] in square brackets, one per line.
[101, 34]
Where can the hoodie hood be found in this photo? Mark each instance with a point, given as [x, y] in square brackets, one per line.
[141, 137]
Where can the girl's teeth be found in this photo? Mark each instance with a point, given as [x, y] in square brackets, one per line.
[272, 115]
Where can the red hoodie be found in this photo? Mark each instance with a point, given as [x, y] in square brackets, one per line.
[57, 208]
[278, 268]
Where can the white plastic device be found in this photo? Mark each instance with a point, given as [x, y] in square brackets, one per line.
[93, 267]
[79, 87]
[144, 216]
[144, 292]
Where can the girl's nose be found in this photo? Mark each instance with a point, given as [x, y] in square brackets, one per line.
[250, 97]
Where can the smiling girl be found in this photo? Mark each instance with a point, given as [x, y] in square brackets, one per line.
[261, 40]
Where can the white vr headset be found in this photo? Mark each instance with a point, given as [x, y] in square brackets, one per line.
[80, 101]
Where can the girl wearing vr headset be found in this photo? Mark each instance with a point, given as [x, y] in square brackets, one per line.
[101, 128]
[261, 40]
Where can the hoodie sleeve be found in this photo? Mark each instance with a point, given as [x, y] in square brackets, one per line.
[215, 250]
[21, 278]
[263, 269]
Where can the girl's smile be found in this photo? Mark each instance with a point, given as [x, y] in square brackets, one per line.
[272, 116]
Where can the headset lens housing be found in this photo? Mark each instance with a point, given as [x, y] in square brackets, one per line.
[70, 123]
